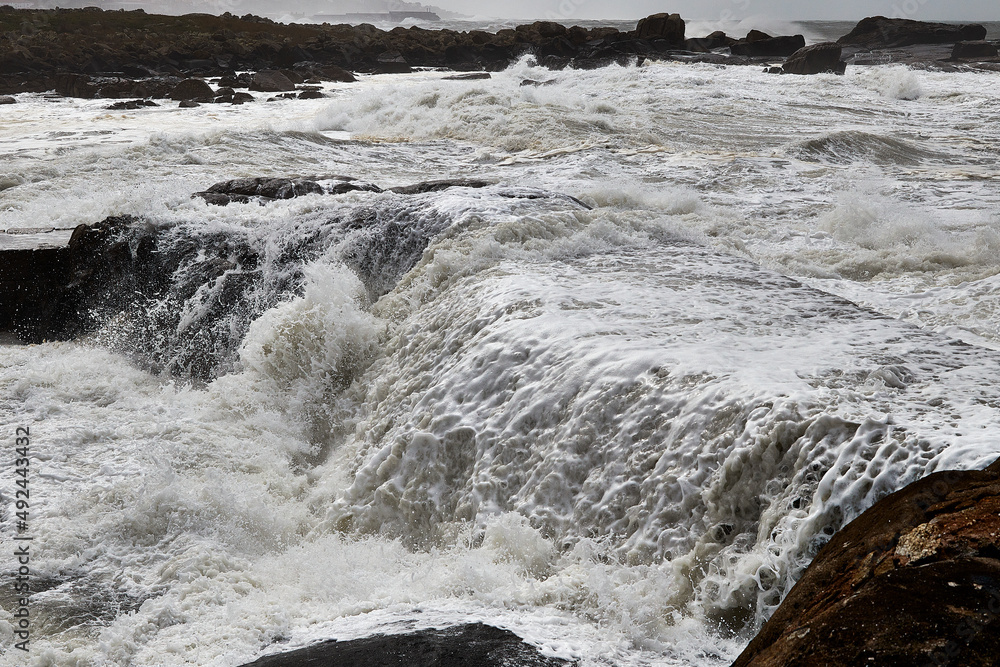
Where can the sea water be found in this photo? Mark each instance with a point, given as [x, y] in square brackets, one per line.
[699, 319]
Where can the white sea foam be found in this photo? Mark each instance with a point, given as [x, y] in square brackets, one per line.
[608, 430]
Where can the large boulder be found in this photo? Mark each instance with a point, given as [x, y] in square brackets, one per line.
[7, 100]
[271, 81]
[816, 59]
[768, 47]
[915, 580]
[879, 32]
[194, 90]
[669, 27]
[974, 50]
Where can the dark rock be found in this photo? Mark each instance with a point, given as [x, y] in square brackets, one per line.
[334, 73]
[816, 59]
[973, 50]
[460, 646]
[437, 186]
[30, 281]
[879, 32]
[188, 104]
[271, 81]
[915, 580]
[242, 98]
[392, 63]
[717, 40]
[7, 100]
[75, 85]
[261, 189]
[757, 36]
[193, 89]
[662, 26]
[131, 105]
[773, 70]
[532, 82]
[293, 76]
[311, 95]
[770, 47]
[471, 76]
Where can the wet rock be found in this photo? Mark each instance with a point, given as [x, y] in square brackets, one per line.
[311, 95]
[271, 81]
[392, 63]
[188, 104]
[193, 89]
[437, 186]
[472, 644]
[769, 47]
[470, 76]
[915, 580]
[879, 32]
[334, 73]
[7, 100]
[669, 27]
[816, 59]
[532, 82]
[716, 40]
[242, 98]
[29, 281]
[131, 105]
[260, 189]
[974, 50]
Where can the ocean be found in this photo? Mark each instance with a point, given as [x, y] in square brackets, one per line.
[614, 401]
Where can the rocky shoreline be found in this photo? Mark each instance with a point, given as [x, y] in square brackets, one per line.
[90, 53]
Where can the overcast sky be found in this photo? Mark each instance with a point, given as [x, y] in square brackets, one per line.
[715, 10]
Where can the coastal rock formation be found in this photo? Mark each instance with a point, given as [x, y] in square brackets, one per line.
[816, 59]
[915, 580]
[7, 100]
[760, 45]
[472, 644]
[879, 32]
[974, 50]
[662, 26]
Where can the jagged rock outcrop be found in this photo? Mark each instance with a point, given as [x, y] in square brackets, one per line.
[816, 59]
[915, 580]
[669, 27]
[879, 32]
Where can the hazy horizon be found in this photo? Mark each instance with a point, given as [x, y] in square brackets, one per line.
[725, 10]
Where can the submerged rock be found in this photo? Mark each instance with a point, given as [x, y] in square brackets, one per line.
[460, 646]
[437, 186]
[471, 76]
[915, 580]
[816, 59]
[7, 100]
[879, 32]
[130, 105]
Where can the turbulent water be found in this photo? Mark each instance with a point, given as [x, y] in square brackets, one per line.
[614, 401]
